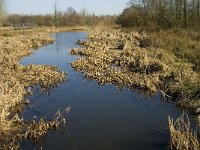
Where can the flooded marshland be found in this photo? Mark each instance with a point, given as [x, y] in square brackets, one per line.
[101, 116]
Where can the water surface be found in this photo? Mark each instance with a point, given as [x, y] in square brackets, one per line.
[101, 117]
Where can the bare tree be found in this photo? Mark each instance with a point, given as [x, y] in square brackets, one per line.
[1, 12]
[165, 13]
[185, 13]
[55, 15]
[198, 4]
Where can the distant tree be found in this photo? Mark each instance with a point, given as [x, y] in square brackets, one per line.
[198, 3]
[70, 17]
[163, 13]
[55, 15]
[185, 13]
[1, 12]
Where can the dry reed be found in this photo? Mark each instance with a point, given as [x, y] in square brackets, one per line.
[182, 137]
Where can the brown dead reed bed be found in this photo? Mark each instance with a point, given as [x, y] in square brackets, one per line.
[127, 59]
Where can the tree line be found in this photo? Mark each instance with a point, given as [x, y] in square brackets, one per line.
[164, 13]
[70, 17]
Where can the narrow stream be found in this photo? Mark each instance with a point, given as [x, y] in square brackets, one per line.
[101, 117]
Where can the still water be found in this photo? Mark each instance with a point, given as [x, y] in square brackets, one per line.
[101, 117]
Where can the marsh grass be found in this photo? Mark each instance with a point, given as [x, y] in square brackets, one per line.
[182, 137]
[149, 63]
[149, 67]
[34, 132]
[185, 44]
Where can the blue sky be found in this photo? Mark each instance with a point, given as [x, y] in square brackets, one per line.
[99, 7]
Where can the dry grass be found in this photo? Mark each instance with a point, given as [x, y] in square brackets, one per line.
[35, 131]
[182, 137]
[185, 44]
[127, 59]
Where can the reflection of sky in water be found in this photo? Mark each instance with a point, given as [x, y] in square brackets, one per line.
[102, 117]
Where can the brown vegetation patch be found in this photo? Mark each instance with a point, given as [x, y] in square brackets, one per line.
[34, 132]
[113, 56]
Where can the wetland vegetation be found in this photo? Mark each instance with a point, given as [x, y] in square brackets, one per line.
[151, 47]
[127, 59]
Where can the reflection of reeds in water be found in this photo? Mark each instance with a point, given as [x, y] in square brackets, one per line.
[182, 137]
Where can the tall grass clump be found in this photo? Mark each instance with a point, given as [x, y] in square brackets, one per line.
[185, 44]
[182, 137]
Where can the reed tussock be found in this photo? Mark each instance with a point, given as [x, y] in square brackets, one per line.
[128, 59]
[35, 131]
[15, 78]
[181, 134]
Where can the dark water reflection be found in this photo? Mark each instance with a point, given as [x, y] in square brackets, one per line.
[102, 117]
